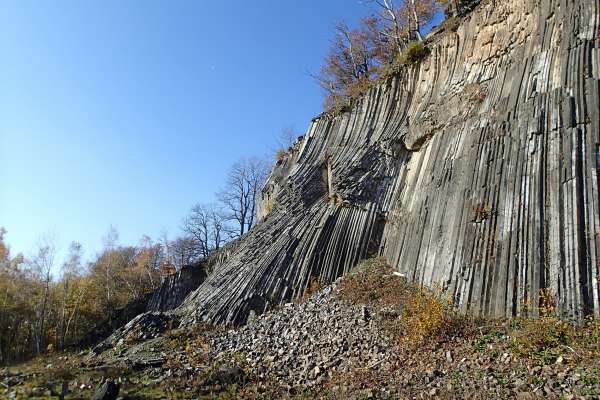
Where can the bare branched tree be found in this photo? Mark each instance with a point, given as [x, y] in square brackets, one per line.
[71, 269]
[405, 21]
[110, 242]
[287, 137]
[41, 264]
[185, 250]
[244, 181]
[394, 25]
[207, 225]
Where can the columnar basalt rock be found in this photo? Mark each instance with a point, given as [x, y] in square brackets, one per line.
[474, 172]
[174, 288]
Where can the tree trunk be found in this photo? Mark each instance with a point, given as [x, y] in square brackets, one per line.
[416, 21]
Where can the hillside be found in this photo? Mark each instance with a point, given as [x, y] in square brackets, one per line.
[368, 335]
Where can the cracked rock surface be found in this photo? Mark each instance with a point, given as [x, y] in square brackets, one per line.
[475, 171]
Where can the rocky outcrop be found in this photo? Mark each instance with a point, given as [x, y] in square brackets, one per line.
[474, 172]
[174, 288]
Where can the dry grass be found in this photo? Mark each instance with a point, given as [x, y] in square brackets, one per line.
[413, 54]
[413, 315]
[280, 155]
[547, 338]
[314, 286]
[373, 283]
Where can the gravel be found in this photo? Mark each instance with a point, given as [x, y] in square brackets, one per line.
[303, 344]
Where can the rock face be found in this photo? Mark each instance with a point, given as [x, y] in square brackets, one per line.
[108, 391]
[475, 172]
[174, 288]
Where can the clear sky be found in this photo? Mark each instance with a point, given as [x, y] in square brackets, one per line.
[129, 112]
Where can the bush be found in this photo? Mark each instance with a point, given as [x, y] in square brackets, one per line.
[542, 339]
[451, 24]
[411, 314]
[280, 155]
[358, 88]
[313, 287]
[413, 54]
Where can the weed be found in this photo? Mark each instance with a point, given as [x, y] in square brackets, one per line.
[542, 339]
[482, 213]
[475, 93]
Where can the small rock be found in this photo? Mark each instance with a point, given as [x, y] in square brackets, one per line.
[449, 356]
[108, 391]
[227, 375]
[559, 360]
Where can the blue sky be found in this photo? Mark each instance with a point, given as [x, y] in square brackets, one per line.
[128, 112]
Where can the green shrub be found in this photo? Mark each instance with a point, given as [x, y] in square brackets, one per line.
[413, 54]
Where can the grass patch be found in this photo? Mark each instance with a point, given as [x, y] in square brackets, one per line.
[543, 339]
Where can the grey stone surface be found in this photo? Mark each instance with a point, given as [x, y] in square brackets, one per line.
[174, 288]
[109, 390]
[304, 344]
[474, 172]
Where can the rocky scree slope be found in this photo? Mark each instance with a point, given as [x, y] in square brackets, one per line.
[474, 171]
[369, 335]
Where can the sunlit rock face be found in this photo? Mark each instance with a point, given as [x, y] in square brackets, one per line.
[474, 173]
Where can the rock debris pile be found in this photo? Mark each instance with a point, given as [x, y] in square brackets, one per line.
[304, 344]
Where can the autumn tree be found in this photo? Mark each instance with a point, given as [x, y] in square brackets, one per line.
[71, 270]
[4, 250]
[41, 264]
[357, 56]
[149, 256]
[238, 198]
[348, 65]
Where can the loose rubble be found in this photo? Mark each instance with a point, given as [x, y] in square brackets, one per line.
[324, 347]
[304, 344]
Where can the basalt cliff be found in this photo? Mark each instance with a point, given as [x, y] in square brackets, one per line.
[474, 172]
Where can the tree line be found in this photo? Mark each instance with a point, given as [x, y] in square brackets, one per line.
[46, 305]
[383, 40]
